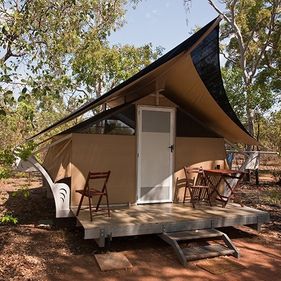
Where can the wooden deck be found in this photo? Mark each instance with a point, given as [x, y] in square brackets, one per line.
[159, 218]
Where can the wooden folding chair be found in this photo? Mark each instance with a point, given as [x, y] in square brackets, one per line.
[91, 191]
[197, 186]
[231, 182]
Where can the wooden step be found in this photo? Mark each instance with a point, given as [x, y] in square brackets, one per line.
[194, 234]
[203, 252]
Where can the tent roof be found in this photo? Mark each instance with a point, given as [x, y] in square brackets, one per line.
[189, 75]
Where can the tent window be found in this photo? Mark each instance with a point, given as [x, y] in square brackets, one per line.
[189, 127]
[109, 127]
[119, 123]
[117, 127]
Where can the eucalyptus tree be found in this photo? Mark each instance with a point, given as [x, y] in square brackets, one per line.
[270, 130]
[55, 55]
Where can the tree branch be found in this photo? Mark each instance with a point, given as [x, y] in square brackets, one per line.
[267, 41]
[82, 91]
[10, 54]
[228, 58]
[219, 11]
[249, 40]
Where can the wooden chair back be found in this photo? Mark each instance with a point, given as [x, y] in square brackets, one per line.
[196, 183]
[97, 176]
[195, 176]
[95, 190]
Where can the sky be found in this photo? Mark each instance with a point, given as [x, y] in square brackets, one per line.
[164, 23]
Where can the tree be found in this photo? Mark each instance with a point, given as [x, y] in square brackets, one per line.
[39, 39]
[56, 50]
[45, 43]
[233, 82]
[262, 96]
[110, 65]
[270, 130]
[54, 55]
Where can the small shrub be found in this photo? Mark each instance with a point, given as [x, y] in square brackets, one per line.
[22, 192]
[20, 175]
[25, 150]
[5, 172]
[272, 196]
[8, 218]
[7, 157]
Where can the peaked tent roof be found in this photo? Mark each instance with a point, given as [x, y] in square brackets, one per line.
[190, 76]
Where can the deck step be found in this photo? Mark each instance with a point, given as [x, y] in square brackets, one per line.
[201, 252]
[209, 251]
[195, 234]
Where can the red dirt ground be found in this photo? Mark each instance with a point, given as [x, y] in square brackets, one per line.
[59, 252]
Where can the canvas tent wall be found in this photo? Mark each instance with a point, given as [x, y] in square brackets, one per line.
[118, 154]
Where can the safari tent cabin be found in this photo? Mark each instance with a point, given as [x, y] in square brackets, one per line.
[173, 113]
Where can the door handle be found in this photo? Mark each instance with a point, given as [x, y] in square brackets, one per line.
[171, 147]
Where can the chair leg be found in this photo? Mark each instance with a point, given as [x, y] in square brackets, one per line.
[90, 206]
[199, 194]
[209, 197]
[224, 203]
[108, 210]
[98, 204]
[79, 206]
[184, 196]
[192, 197]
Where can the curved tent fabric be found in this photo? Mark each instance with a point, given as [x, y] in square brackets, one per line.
[190, 77]
[206, 61]
[190, 93]
[185, 45]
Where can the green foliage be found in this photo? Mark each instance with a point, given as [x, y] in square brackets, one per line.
[111, 65]
[233, 83]
[49, 41]
[56, 55]
[6, 160]
[2, 112]
[272, 196]
[261, 99]
[25, 150]
[258, 23]
[270, 131]
[6, 157]
[22, 192]
[8, 218]
[5, 172]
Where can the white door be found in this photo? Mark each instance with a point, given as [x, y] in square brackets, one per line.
[155, 154]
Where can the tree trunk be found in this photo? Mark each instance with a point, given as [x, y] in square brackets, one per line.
[251, 120]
